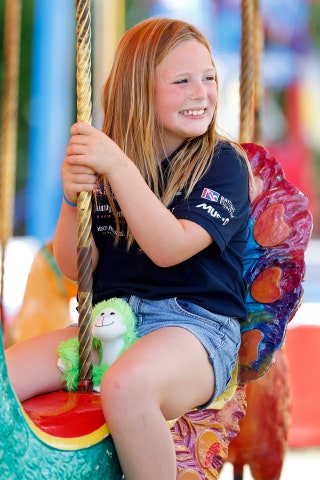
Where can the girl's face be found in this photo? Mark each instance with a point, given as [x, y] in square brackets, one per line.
[185, 93]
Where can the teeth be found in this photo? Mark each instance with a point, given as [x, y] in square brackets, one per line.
[193, 112]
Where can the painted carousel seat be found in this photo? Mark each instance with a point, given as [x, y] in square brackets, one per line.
[67, 420]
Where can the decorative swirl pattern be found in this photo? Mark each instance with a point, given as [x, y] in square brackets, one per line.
[202, 438]
[274, 267]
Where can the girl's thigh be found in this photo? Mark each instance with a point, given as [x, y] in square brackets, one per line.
[185, 373]
[192, 340]
[167, 368]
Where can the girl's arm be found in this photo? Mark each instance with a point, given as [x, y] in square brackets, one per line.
[163, 238]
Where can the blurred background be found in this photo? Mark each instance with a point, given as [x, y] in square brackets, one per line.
[290, 121]
[290, 74]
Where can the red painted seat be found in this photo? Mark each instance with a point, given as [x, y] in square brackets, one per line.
[67, 420]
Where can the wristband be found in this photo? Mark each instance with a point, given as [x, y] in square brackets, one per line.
[68, 202]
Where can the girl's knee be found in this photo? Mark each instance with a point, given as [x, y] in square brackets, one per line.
[123, 389]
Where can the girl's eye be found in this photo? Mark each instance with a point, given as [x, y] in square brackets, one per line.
[183, 80]
[210, 78]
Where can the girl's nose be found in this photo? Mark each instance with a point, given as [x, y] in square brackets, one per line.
[197, 90]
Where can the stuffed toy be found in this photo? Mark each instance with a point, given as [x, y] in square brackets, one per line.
[113, 323]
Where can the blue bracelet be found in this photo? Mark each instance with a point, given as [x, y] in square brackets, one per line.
[68, 202]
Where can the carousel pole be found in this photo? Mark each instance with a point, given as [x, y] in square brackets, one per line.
[257, 80]
[11, 48]
[247, 69]
[84, 114]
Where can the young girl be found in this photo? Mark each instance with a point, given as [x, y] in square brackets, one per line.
[169, 226]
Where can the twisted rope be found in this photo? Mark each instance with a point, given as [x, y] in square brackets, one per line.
[84, 114]
[247, 69]
[11, 48]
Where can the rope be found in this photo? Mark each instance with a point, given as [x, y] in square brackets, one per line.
[84, 112]
[11, 47]
[247, 69]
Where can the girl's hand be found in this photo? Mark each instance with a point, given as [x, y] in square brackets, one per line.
[76, 179]
[91, 147]
[90, 152]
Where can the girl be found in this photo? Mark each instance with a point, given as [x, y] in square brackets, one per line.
[169, 226]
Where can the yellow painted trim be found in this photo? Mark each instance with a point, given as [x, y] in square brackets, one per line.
[220, 402]
[75, 443]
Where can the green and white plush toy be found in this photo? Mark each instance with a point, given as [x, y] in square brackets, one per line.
[113, 323]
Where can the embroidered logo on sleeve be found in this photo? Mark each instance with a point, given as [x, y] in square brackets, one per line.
[215, 197]
[209, 194]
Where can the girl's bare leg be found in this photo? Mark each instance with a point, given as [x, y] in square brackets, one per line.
[162, 376]
[32, 364]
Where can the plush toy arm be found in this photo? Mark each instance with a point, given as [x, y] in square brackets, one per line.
[68, 362]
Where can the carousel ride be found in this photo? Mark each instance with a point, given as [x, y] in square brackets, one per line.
[64, 434]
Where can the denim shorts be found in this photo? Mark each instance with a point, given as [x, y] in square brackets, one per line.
[219, 335]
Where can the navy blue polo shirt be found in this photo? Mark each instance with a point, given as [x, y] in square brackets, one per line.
[213, 278]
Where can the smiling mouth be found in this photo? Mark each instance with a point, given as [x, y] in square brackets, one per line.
[105, 324]
[193, 113]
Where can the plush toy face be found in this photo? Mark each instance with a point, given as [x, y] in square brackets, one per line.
[113, 331]
[108, 324]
